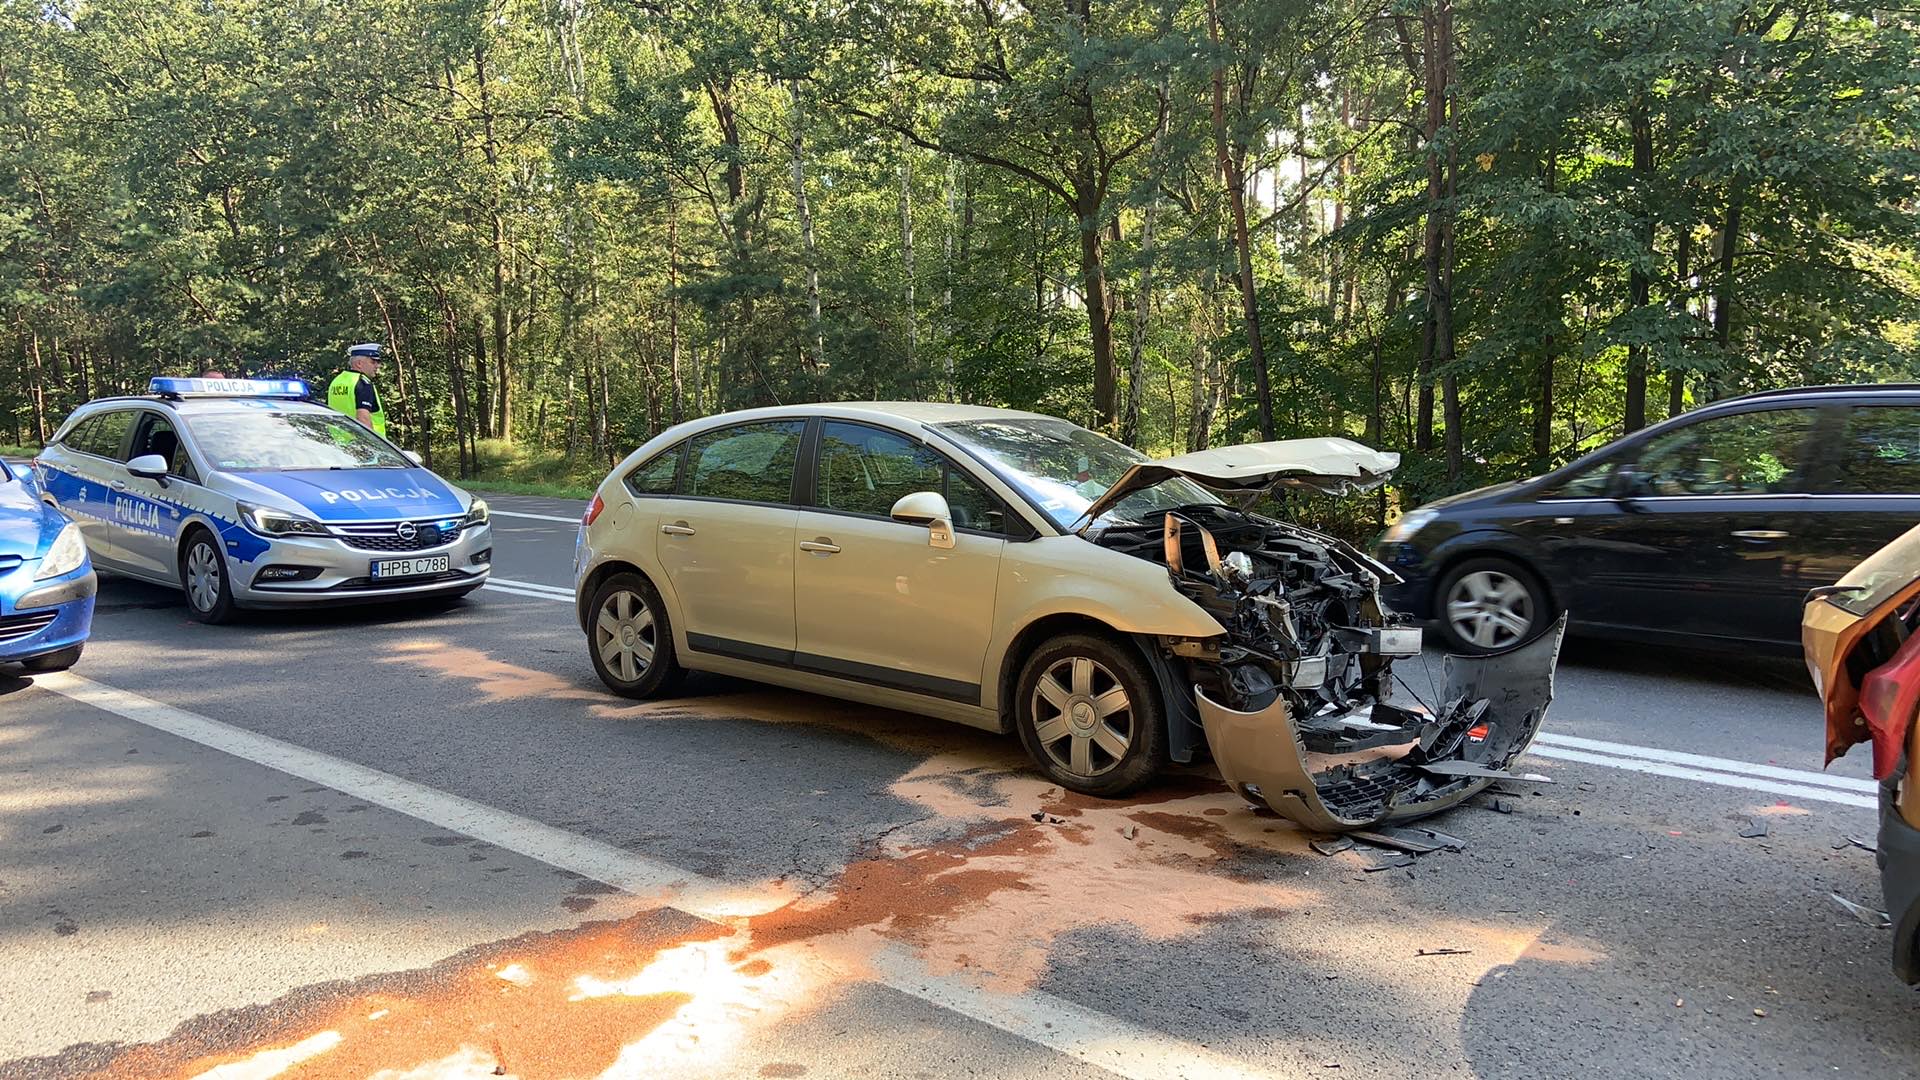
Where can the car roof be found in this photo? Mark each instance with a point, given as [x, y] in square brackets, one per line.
[1821, 393]
[905, 413]
[190, 405]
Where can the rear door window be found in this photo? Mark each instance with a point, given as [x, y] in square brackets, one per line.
[1878, 452]
[106, 434]
[747, 463]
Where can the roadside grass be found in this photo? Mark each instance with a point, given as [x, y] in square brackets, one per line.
[18, 451]
[507, 469]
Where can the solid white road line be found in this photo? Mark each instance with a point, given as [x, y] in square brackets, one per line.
[1725, 772]
[1676, 757]
[1724, 779]
[1082, 1034]
[491, 512]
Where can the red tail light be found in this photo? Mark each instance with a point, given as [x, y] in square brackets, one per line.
[593, 510]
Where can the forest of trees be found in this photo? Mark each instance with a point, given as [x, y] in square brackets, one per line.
[1488, 234]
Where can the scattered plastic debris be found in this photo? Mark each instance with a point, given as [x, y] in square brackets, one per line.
[1759, 1012]
[1129, 831]
[1332, 845]
[1502, 806]
[1443, 952]
[1752, 828]
[1876, 919]
[1679, 1003]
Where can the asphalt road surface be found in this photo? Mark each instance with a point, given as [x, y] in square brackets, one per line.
[427, 844]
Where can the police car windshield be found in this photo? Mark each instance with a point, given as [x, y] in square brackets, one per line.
[271, 440]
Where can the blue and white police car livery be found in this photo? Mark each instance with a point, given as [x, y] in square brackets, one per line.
[243, 494]
[46, 583]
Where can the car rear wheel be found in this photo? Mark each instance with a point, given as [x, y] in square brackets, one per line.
[53, 661]
[1487, 605]
[1089, 714]
[203, 575]
[630, 639]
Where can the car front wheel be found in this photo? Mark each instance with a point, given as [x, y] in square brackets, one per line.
[631, 640]
[1491, 604]
[203, 575]
[1089, 713]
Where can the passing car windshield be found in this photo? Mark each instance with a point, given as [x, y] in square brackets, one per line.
[263, 441]
[1062, 468]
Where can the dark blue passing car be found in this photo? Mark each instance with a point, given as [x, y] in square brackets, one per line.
[1706, 529]
[46, 580]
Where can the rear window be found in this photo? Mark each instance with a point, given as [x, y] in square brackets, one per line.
[1878, 452]
[750, 463]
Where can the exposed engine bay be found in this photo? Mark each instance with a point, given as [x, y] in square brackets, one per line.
[1296, 701]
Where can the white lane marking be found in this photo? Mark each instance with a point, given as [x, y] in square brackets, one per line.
[1734, 780]
[1676, 757]
[556, 591]
[1725, 772]
[1094, 1038]
[491, 512]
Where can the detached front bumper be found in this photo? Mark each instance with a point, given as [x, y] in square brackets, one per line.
[1492, 707]
[335, 572]
[47, 616]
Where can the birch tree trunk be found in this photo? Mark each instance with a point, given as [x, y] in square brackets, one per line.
[797, 168]
[906, 243]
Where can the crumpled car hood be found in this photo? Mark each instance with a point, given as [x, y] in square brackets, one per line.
[1332, 465]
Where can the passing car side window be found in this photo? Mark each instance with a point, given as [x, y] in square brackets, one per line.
[1590, 483]
[657, 476]
[748, 463]
[1756, 453]
[1878, 452]
[865, 470]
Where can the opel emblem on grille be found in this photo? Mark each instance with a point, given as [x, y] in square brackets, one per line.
[406, 530]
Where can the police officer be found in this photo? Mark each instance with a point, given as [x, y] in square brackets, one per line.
[352, 391]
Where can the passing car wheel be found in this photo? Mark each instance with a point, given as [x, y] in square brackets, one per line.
[1090, 715]
[1490, 604]
[53, 661]
[630, 639]
[203, 575]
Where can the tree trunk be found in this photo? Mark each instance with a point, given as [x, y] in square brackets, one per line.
[1543, 376]
[1142, 310]
[1683, 271]
[946, 283]
[1093, 283]
[501, 425]
[1637, 281]
[1231, 160]
[906, 246]
[804, 210]
[1723, 296]
[673, 309]
[482, 380]
[457, 377]
[1436, 335]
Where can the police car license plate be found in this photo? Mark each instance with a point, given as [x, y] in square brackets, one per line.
[399, 568]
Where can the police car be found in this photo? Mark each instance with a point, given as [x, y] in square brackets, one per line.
[243, 494]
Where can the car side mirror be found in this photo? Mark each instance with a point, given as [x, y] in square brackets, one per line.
[411, 456]
[149, 467]
[928, 508]
[1627, 484]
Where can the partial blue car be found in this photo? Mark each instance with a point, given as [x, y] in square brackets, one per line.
[46, 580]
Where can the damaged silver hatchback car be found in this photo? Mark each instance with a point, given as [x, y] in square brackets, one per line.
[1022, 574]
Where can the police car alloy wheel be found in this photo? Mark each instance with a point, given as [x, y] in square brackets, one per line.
[630, 640]
[204, 576]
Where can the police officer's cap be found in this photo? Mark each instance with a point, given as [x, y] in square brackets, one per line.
[371, 348]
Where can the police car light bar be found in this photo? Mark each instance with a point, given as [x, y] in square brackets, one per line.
[166, 386]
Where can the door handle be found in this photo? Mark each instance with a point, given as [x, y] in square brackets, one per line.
[119, 485]
[821, 546]
[678, 528]
[1760, 534]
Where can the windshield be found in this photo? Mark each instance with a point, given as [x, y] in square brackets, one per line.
[271, 440]
[1062, 468]
[1881, 576]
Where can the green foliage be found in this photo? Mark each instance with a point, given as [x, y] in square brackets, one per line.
[578, 223]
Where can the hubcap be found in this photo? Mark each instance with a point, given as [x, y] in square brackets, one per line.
[203, 577]
[625, 635]
[1082, 716]
[1491, 609]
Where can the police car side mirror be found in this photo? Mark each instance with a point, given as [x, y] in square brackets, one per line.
[149, 467]
[411, 456]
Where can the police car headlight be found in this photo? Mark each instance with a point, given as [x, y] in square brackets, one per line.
[270, 522]
[477, 513]
[65, 556]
